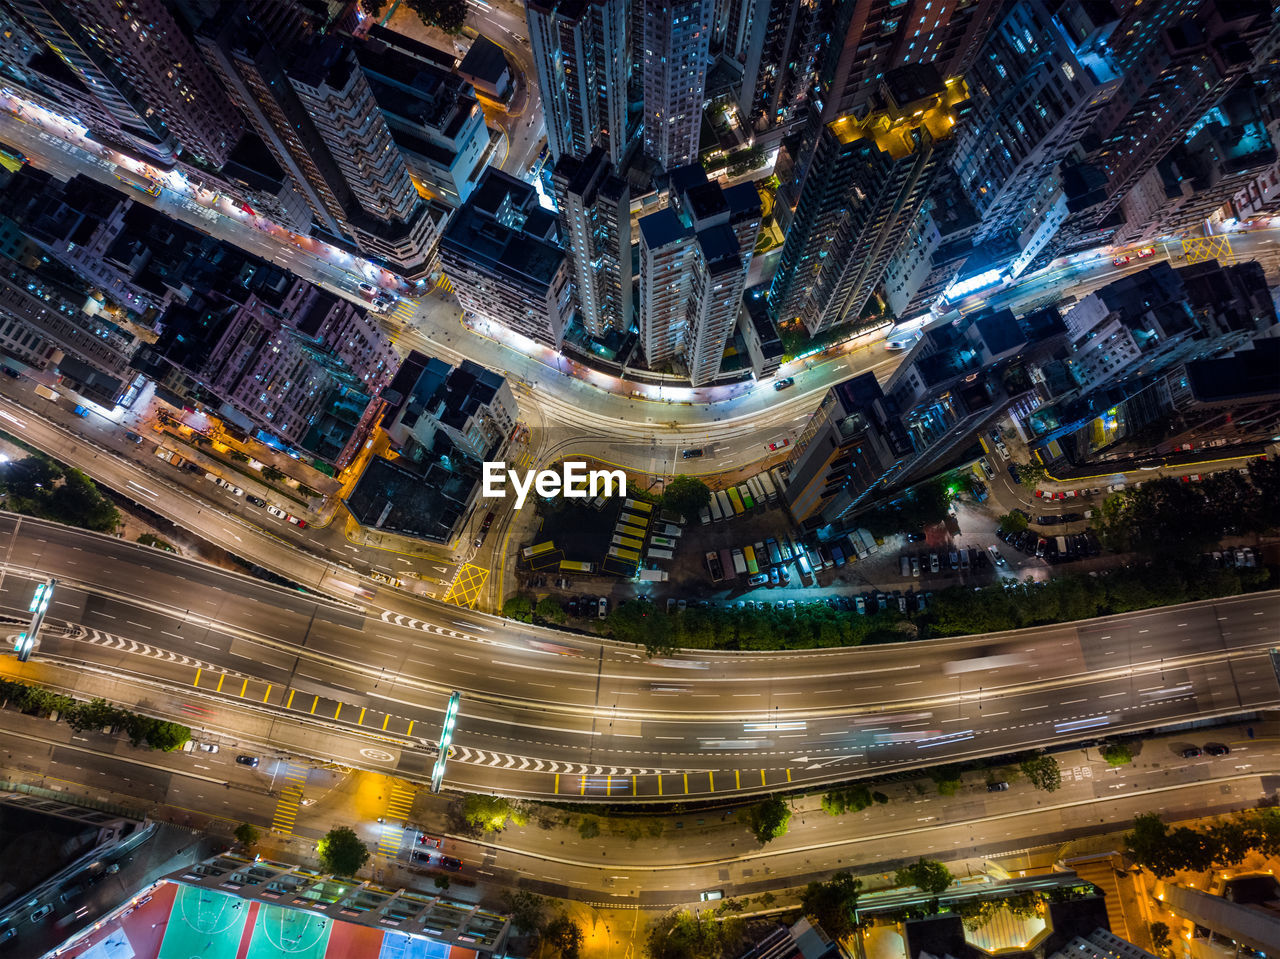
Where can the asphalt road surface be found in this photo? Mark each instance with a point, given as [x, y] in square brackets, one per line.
[545, 713]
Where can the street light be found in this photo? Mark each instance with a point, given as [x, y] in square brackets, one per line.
[446, 738]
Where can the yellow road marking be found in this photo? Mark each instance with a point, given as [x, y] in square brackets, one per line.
[762, 782]
[659, 784]
[221, 678]
[314, 703]
[289, 704]
[686, 784]
[243, 687]
[360, 721]
[386, 719]
[788, 775]
[737, 779]
[608, 785]
[633, 785]
[410, 732]
[712, 777]
[267, 693]
[557, 784]
[337, 712]
[583, 790]
[197, 682]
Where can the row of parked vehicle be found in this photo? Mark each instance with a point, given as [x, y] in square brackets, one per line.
[1055, 549]
[1241, 558]
[258, 501]
[958, 558]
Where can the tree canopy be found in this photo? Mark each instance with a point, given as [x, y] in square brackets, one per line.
[448, 15]
[341, 851]
[769, 819]
[832, 903]
[492, 813]
[927, 875]
[686, 495]
[1042, 772]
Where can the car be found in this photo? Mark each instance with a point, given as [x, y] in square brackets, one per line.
[902, 604]
[231, 488]
[425, 839]
[955, 559]
[933, 562]
[1071, 494]
[602, 607]
[1191, 752]
[915, 565]
[483, 531]
[450, 863]
[296, 521]
[368, 288]
[247, 761]
[10, 372]
[758, 579]
[915, 537]
[1146, 251]
[41, 913]
[861, 605]
[277, 512]
[785, 574]
[779, 445]
[133, 438]
[997, 787]
[255, 500]
[783, 383]
[1217, 749]
[1249, 559]
[837, 555]
[379, 577]
[691, 454]
[1120, 261]
[7, 932]
[996, 556]
[208, 747]
[1004, 450]
[419, 855]
[986, 467]
[1042, 547]
[712, 894]
[775, 579]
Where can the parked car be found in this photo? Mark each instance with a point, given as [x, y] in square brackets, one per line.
[297, 521]
[255, 500]
[450, 863]
[1217, 749]
[758, 579]
[209, 747]
[861, 605]
[277, 512]
[997, 787]
[915, 566]
[133, 438]
[1191, 752]
[690, 454]
[933, 562]
[420, 856]
[602, 607]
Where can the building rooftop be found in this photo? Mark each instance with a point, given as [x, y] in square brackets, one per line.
[426, 503]
[485, 60]
[1246, 374]
[503, 228]
[661, 228]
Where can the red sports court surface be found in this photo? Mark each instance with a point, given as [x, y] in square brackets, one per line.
[186, 922]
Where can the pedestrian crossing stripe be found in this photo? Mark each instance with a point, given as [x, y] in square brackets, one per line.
[391, 836]
[290, 799]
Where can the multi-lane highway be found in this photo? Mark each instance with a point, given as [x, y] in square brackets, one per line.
[545, 713]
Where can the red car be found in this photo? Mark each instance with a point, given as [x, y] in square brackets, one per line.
[1039, 494]
[781, 444]
[425, 840]
[1146, 251]
[1120, 261]
[297, 521]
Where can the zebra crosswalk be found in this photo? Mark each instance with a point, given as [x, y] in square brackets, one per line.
[294, 777]
[393, 832]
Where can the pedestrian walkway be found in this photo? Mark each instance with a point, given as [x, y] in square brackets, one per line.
[295, 777]
[391, 836]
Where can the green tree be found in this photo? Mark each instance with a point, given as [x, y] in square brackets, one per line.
[832, 904]
[374, 8]
[165, 735]
[30, 477]
[550, 610]
[589, 828]
[636, 622]
[1160, 937]
[78, 502]
[927, 875]
[95, 714]
[1012, 523]
[519, 608]
[525, 910]
[1042, 772]
[341, 851]
[769, 819]
[448, 15]
[684, 935]
[848, 799]
[492, 813]
[947, 778]
[271, 474]
[686, 495]
[306, 490]
[563, 935]
[1117, 754]
[246, 834]
[1029, 474]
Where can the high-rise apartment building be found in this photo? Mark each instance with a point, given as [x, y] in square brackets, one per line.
[500, 253]
[595, 229]
[134, 59]
[864, 189]
[581, 54]
[694, 257]
[778, 55]
[1042, 78]
[314, 108]
[677, 38]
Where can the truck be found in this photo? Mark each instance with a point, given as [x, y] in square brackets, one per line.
[663, 542]
[726, 563]
[48, 394]
[169, 456]
[775, 555]
[713, 566]
[658, 554]
[739, 562]
[653, 576]
[668, 529]
[573, 566]
[721, 497]
[770, 491]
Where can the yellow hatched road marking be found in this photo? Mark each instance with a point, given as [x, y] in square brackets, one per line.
[386, 719]
[360, 721]
[267, 693]
[289, 704]
[221, 678]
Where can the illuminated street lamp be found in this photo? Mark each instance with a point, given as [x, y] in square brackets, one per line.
[446, 738]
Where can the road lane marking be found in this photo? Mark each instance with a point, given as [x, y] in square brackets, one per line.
[360, 721]
[737, 779]
[686, 784]
[386, 719]
[267, 693]
[289, 704]
[221, 678]
[314, 703]
[244, 687]
[410, 730]
[197, 680]
[557, 789]
[788, 775]
[337, 712]
[711, 777]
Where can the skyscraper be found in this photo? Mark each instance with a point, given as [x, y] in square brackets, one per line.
[581, 54]
[136, 61]
[863, 191]
[778, 58]
[595, 229]
[309, 101]
[677, 37]
[694, 257]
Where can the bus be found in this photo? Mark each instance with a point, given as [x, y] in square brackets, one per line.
[531, 551]
[736, 501]
[627, 542]
[716, 513]
[640, 506]
[10, 158]
[634, 520]
[630, 555]
[137, 181]
[770, 491]
[658, 554]
[726, 563]
[573, 566]
[748, 501]
[722, 498]
[664, 542]
[749, 554]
